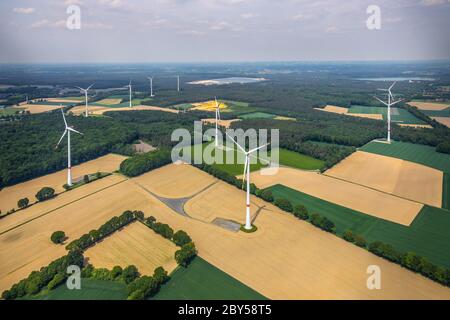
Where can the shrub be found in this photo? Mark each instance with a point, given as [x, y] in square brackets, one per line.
[57, 280]
[129, 274]
[86, 178]
[58, 237]
[139, 215]
[116, 272]
[141, 163]
[348, 235]
[136, 295]
[322, 222]
[23, 203]
[266, 195]
[185, 255]
[45, 193]
[180, 238]
[284, 204]
[360, 241]
[301, 212]
[101, 274]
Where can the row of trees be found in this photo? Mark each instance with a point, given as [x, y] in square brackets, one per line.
[47, 277]
[112, 225]
[141, 163]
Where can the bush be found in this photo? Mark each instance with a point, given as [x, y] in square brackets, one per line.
[23, 203]
[322, 222]
[348, 235]
[385, 250]
[58, 237]
[57, 280]
[129, 274]
[141, 163]
[301, 212]
[180, 238]
[86, 178]
[360, 241]
[284, 204]
[185, 255]
[116, 272]
[139, 215]
[266, 195]
[45, 193]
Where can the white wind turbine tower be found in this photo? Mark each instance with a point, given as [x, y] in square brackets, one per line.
[67, 130]
[391, 101]
[248, 224]
[85, 97]
[129, 86]
[217, 122]
[178, 83]
[151, 86]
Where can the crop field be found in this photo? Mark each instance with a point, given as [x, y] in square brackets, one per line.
[210, 106]
[90, 290]
[109, 101]
[417, 153]
[222, 123]
[10, 195]
[395, 176]
[423, 105]
[10, 111]
[100, 110]
[25, 245]
[285, 243]
[437, 113]
[299, 161]
[203, 281]
[347, 194]
[38, 108]
[427, 235]
[442, 120]
[135, 244]
[257, 115]
[397, 114]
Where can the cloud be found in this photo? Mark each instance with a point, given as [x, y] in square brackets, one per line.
[50, 24]
[223, 26]
[248, 15]
[331, 29]
[112, 3]
[156, 23]
[69, 2]
[429, 3]
[24, 10]
[97, 25]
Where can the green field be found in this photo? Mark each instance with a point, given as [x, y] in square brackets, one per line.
[417, 153]
[427, 236]
[437, 113]
[403, 115]
[51, 103]
[202, 281]
[9, 111]
[299, 161]
[90, 290]
[446, 191]
[182, 106]
[257, 115]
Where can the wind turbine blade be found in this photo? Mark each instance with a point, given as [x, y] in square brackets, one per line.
[73, 130]
[242, 149]
[396, 102]
[60, 139]
[381, 101]
[390, 88]
[253, 150]
[81, 89]
[89, 87]
[64, 117]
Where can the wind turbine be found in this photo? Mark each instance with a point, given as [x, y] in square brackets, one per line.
[129, 86]
[178, 83]
[217, 122]
[67, 130]
[391, 101]
[151, 86]
[248, 224]
[86, 97]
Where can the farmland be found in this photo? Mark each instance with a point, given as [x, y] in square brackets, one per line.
[100, 110]
[399, 177]
[203, 281]
[427, 235]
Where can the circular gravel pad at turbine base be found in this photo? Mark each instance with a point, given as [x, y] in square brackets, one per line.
[253, 229]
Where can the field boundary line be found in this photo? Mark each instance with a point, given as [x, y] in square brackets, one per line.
[62, 206]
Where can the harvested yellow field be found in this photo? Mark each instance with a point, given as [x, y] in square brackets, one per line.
[222, 123]
[374, 116]
[111, 101]
[209, 106]
[28, 247]
[399, 177]
[333, 109]
[38, 108]
[204, 205]
[444, 120]
[80, 110]
[284, 118]
[62, 100]
[347, 194]
[426, 126]
[175, 181]
[10, 195]
[290, 259]
[428, 105]
[136, 245]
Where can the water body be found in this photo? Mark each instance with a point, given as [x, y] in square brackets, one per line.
[397, 79]
[230, 80]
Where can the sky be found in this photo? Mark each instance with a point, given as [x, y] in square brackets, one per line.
[135, 31]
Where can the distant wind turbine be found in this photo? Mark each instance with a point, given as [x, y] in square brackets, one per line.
[151, 86]
[67, 130]
[86, 97]
[217, 122]
[129, 86]
[178, 83]
[391, 101]
[248, 224]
